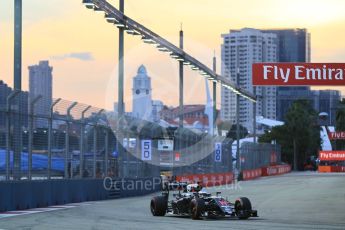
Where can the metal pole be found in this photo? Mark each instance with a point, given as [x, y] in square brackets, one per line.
[17, 126]
[67, 139]
[120, 89]
[214, 97]
[106, 151]
[94, 150]
[95, 144]
[50, 128]
[8, 131]
[330, 108]
[31, 124]
[254, 116]
[238, 160]
[181, 84]
[82, 150]
[121, 66]
[18, 44]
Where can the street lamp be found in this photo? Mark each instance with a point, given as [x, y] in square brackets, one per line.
[194, 67]
[119, 24]
[110, 18]
[97, 10]
[88, 4]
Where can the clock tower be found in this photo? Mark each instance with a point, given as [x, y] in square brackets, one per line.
[142, 95]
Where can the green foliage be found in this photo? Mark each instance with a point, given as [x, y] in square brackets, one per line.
[301, 127]
[232, 132]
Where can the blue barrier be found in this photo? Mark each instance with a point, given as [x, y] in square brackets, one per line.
[39, 162]
[20, 195]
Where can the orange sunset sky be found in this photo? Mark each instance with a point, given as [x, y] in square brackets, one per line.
[82, 47]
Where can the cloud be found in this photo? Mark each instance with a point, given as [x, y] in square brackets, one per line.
[83, 56]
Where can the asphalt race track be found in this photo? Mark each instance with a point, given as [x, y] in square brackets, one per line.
[305, 200]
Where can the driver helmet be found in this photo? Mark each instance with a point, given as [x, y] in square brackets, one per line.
[193, 188]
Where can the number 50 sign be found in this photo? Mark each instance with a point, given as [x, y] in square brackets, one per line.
[146, 150]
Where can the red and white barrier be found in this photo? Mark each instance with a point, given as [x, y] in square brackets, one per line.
[216, 179]
[251, 174]
[208, 180]
[275, 170]
[331, 169]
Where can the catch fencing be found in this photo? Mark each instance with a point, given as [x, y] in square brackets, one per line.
[258, 155]
[41, 139]
[60, 139]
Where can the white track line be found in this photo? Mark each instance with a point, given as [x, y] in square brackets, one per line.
[40, 210]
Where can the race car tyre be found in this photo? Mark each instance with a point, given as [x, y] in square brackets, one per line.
[243, 208]
[197, 206]
[158, 205]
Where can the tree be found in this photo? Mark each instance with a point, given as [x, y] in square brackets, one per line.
[232, 132]
[299, 137]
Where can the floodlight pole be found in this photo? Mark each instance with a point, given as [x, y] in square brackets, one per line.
[181, 117]
[254, 116]
[238, 160]
[18, 44]
[121, 93]
[121, 66]
[214, 97]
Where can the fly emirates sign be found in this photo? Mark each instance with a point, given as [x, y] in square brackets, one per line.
[303, 74]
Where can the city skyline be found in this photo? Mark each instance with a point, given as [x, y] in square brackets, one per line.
[82, 48]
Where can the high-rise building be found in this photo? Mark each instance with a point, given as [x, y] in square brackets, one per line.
[293, 46]
[142, 95]
[240, 49]
[22, 98]
[5, 90]
[327, 101]
[40, 83]
[157, 107]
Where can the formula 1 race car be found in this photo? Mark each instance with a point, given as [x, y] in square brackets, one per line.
[196, 202]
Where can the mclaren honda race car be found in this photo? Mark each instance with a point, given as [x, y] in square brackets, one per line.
[192, 200]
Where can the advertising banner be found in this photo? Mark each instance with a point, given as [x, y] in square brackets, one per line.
[336, 135]
[298, 74]
[332, 155]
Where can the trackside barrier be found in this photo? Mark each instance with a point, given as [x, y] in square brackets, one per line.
[275, 170]
[325, 169]
[266, 171]
[208, 180]
[251, 174]
[20, 195]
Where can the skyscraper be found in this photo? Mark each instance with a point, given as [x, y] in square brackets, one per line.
[293, 46]
[142, 95]
[40, 83]
[327, 101]
[240, 49]
[21, 98]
